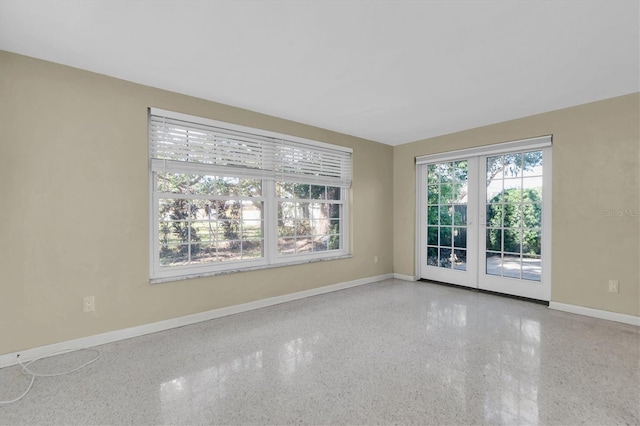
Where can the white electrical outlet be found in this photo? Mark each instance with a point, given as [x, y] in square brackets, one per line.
[613, 286]
[375, 259]
[89, 303]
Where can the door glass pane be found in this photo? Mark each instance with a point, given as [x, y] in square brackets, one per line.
[514, 215]
[433, 194]
[445, 236]
[531, 268]
[494, 239]
[460, 215]
[432, 256]
[511, 265]
[447, 193]
[432, 236]
[432, 215]
[494, 215]
[460, 260]
[511, 240]
[532, 215]
[445, 215]
[494, 263]
[531, 241]
[445, 258]
[460, 237]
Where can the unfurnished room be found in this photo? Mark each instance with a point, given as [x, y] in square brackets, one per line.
[319, 212]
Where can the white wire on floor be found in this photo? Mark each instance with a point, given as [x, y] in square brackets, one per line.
[27, 371]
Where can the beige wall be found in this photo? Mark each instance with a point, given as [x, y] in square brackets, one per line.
[74, 213]
[70, 227]
[596, 166]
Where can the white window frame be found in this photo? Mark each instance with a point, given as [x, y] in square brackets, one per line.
[271, 257]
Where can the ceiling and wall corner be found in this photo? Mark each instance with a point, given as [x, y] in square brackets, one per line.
[392, 72]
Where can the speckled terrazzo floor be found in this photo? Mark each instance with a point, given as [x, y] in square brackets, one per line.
[389, 352]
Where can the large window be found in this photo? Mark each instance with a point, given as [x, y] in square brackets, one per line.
[227, 198]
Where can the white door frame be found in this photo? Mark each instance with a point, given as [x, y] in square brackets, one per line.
[476, 224]
[467, 278]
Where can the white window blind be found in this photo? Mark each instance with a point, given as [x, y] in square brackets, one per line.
[180, 145]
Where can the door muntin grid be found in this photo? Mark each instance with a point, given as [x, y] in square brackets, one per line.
[447, 198]
[514, 215]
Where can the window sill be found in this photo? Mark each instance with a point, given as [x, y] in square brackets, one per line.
[247, 269]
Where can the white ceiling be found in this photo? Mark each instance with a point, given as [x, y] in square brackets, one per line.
[392, 72]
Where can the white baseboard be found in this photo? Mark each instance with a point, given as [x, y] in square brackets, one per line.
[127, 333]
[596, 313]
[405, 277]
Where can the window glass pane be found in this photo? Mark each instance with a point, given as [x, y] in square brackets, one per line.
[173, 182]
[304, 244]
[321, 226]
[173, 209]
[251, 229]
[320, 243]
[302, 191]
[333, 193]
[174, 254]
[204, 230]
[334, 242]
[285, 190]
[286, 210]
[227, 186]
[318, 192]
[230, 250]
[286, 245]
[252, 249]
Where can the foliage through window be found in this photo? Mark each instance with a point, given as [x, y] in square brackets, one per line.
[225, 197]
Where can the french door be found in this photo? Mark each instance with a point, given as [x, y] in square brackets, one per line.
[484, 218]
